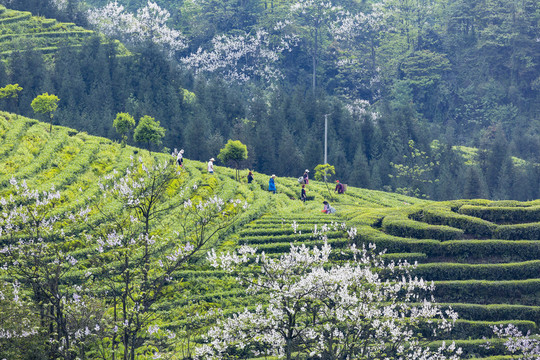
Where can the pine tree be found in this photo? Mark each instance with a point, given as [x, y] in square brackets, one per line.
[475, 186]
[360, 173]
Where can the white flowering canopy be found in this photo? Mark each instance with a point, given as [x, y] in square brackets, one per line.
[360, 309]
[148, 24]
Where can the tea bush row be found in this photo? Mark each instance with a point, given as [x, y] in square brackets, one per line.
[286, 238]
[519, 250]
[503, 214]
[76, 166]
[397, 225]
[11, 136]
[452, 271]
[19, 17]
[469, 224]
[524, 292]
[495, 312]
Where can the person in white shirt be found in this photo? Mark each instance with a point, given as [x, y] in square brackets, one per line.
[211, 166]
[179, 158]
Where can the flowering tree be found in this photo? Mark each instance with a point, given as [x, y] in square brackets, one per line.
[521, 346]
[149, 24]
[362, 309]
[18, 323]
[243, 57]
[37, 256]
[136, 258]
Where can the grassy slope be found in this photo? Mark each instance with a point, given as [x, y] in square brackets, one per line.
[475, 272]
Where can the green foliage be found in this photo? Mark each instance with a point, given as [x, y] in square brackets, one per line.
[417, 168]
[506, 271]
[525, 292]
[123, 123]
[529, 231]
[234, 151]
[443, 216]
[10, 91]
[148, 131]
[324, 172]
[46, 104]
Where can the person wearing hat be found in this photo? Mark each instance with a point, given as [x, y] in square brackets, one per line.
[211, 166]
[250, 177]
[272, 184]
[305, 176]
[180, 158]
[339, 187]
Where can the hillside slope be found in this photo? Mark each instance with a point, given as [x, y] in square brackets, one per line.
[484, 256]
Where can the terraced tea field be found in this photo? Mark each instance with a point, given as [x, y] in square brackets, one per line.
[483, 256]
[21, 30]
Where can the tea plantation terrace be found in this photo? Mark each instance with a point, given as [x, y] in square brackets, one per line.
[484, 256]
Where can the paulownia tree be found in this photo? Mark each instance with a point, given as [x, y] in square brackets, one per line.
[37, 255]
[46, 104]
[525, 347]
[137, 258]
[360, 309]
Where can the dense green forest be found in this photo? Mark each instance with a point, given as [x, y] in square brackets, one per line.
[401, 82]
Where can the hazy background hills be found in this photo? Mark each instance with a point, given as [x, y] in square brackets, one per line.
[401, 82]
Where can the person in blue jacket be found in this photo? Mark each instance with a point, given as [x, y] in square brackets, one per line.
[272, 184]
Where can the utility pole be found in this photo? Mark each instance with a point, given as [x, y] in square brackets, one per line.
[326, 138]
[325, 142]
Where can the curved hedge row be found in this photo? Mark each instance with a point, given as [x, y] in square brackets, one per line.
[398, 226]
[503, 214]
[529, 231]
[469, 224]
[462, 249]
